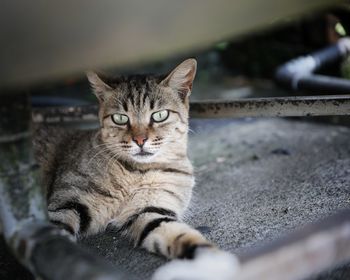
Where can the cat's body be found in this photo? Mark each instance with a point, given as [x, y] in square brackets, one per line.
[81, 172]
[133, 172]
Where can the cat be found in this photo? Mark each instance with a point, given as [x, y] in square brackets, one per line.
[133, 172]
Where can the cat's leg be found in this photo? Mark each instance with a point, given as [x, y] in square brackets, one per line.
[169, 237]
[153, 221]
[208, 265]
[70, 215]
[158, 230]
[156, 226]
[80, 214]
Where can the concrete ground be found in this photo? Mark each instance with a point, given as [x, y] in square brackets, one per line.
[256, 180]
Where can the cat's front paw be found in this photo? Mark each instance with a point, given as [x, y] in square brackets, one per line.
[208, 265]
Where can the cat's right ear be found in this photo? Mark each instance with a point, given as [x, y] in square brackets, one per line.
[99, 87]
[181, 78]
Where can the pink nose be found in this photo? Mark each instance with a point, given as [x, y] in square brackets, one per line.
[140, 140]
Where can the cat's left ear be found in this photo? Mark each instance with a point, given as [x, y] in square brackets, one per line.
[100, 88]
[181, 78]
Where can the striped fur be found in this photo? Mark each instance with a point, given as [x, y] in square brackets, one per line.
[101, 177]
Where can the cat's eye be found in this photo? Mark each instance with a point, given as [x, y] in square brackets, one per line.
[120, 119]
[160, 116]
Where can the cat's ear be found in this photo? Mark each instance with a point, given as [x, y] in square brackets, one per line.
[100, 88]
[181, 78]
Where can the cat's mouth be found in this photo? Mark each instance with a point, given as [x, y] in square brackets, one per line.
[143, 154]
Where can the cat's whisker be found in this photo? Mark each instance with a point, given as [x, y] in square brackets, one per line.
[192, 131]
[110, 156]
[96, 147]
[99, 146]
[107, 148]
[156, 144]
[115, 153]
[114, 160]
[99, 152]
[116, 157]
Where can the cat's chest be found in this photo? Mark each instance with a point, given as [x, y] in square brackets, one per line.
[138, 179]
[135, 180]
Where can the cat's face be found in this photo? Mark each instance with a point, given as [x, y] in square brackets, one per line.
[144, 117]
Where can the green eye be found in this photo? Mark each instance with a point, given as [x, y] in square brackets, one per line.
[160, 116]
[120, 119]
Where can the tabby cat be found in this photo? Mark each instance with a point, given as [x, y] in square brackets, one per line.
[133, 172]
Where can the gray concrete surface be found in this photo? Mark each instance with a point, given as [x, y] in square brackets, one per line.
[256, 180]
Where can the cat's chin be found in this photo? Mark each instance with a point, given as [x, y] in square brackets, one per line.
[143, 157]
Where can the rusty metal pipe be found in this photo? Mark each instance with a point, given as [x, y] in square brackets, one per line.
[253, 107]
[273, 107]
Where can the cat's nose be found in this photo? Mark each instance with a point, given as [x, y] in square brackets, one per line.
[140, 140]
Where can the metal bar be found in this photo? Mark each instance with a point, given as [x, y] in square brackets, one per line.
[273, 107]
[316, 247]
[43, 248]
[254, 107]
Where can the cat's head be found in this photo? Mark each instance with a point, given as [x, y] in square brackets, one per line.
[144, 117]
